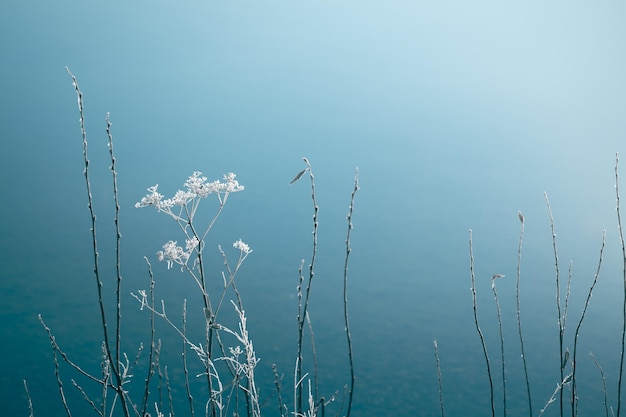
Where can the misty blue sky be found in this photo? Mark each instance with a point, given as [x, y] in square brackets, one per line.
[525, 97]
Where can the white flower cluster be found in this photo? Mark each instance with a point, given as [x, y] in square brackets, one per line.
[196, 186]
[175, 254]
[244, 247]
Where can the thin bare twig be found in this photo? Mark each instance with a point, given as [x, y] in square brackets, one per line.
[580, 322]
[519, 320]
[495, 295]
[480, 332]
[621, 237]
[345, 293]
[561, 316]
[439, 378]
[30, 401]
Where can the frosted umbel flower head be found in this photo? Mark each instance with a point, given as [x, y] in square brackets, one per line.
[173, 254]
[243, 247]
[196, 187]
[182, 207]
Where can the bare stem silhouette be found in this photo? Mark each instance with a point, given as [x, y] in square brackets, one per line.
[518, 312]
[480, 332]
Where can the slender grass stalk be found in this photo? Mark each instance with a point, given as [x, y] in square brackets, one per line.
[439, 378]
[580, 322]
[518, 313]
[302, 313]
[30, 401]
[621, 237]
[159, 372]
[282, 407]
[606, 397]
[480, 332]
[87, 399]
[184, 354]
[495, 296]
[568, 289]
[559, 388]
[345, 294]
[106, 378]
[58, 375]
[151, 354]
[64, 356]
[170, 399]
[114, 359]
[118, 237]
[561, 317]
[314, 355]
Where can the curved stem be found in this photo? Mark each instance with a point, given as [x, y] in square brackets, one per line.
[480, 333]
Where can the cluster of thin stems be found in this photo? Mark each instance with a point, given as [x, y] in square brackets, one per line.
[568, 364]
[231, 387]
[117, 370]
[317, 403]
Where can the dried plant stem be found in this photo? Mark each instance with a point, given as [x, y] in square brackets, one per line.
[561, 317]
[282, 408]
[580, 322]
[151, 355]
[30, 401]
[58, 377]
[87, 399]
[519, 320]
[480, 333]
[118, 237]
[439, 378]
[302, 313]
[314, 355]
[606, 398]
[495, 295]
[185, 368]
[559, 387]
[65, 358]
[345, 294]
[113, 360]
[621, 237]
[170, 399]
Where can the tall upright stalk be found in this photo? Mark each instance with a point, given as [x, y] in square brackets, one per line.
[580, 322]
[561, 317]
[621, 237]
[495, 296]
[480, 333]
[118, 238]
[345, 295]
[519, 320]
[606, 399]
[439, 378]
[303, 307]
[113, 359]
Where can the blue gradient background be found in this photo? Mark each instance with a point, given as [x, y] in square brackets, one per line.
[457, 115]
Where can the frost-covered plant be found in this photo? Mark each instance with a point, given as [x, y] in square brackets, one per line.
[182, 208]
[228, 369]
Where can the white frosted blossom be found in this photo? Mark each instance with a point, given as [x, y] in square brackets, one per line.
[242, 246]
[196, 184]
[190, 244]
[231, 185]
[172, 253]
[196, 187]
[153, 198]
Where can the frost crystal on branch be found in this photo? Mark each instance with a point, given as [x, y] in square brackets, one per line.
[153, 198]
[196, 187]
[175, 254]
[242, 246]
